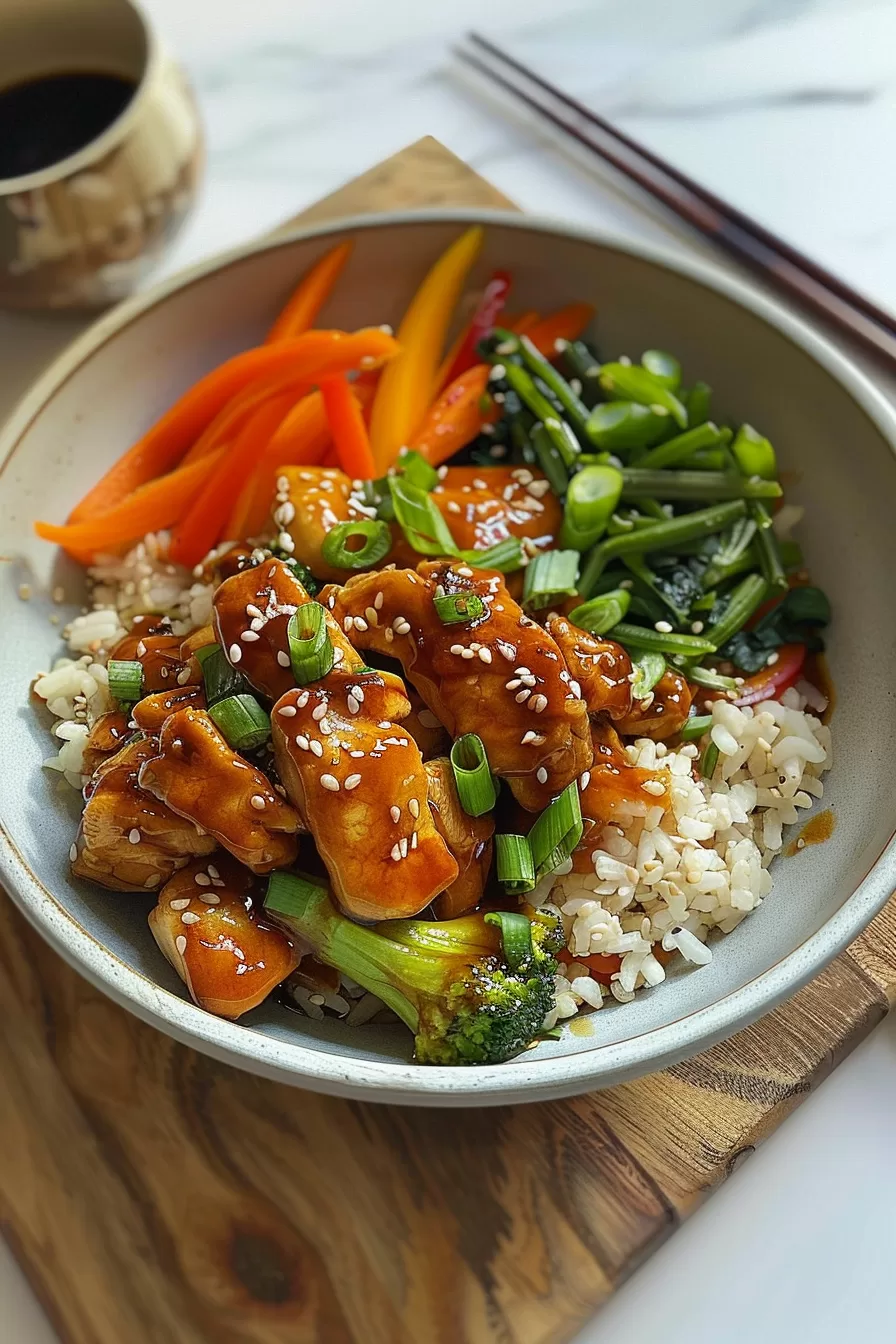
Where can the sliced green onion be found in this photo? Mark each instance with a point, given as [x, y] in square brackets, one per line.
[549, 459]
[696, 726]
[675, 452]
[311, 651]
[205, 652]
[125, 679]
[649, 668]
[415, 468]
[516, 934]
[710, 681]
[600, 614]
[709, 760]
[221, 678]
[754, 454]
[514, 864]
[591, 501]
[476, 787]
[659, 537]
[749, 594]
[636, 384]
[289, 894]
[626, 426]
[242, 721]
[506, 556]
[556, 832]
[550, 575]
[664, 367]
[358, 544]
[457, 608]
[638, 483]
[420, 519]
[658, 641]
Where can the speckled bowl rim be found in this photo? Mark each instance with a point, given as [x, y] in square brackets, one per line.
[526, 1078]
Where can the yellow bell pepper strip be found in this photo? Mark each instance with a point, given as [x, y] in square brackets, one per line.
[405, 386]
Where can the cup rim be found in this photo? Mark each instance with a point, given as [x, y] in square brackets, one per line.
[107, 139]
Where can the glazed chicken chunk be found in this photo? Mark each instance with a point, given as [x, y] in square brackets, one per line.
[317, 498]
[602, 669]
[501, 675]
[206, 926]
[106, 737]
[359, 783]
[485, 505]
[128, 840]
[197, 774]
[468, 838]
[662, 712]
[157, 653]
[150, 713]
[251, 615]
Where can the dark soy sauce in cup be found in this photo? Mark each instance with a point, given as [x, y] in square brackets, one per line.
[45, 120]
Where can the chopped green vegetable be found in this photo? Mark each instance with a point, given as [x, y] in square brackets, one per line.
[549, 459]
[624, 426]
[635, 383]
[242, 721]
[697, 401]
[649, 668]
[556, 832]
[600, 614]
[125, 680]
[506, 556]
[638, 483]
[419, 517]
[514, 864]
[659, 537]
[661, 641]
[550, 575]
[676, 452]
[664, 367]
[311, 651]
[754, 455]
[743, 601]
[574, 409]
[359, 544]
[583, 364]
[220, 677]
[415, 468]
[696, 726]
[797, 619]
[591, 501]
[459, 608]
[476, 786]
[709, 760]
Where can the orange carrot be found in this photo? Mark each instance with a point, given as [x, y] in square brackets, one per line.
[347, 426]
[158, 504]
[456, 418]
[565, 325]
[310, 294]
[313, 355]
[202, 525]
[300, 440]
[523, 324]
[232, 416]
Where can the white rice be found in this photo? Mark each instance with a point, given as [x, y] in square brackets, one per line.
[673, 877]
[143, 583]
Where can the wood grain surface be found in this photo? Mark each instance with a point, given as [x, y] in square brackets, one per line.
[154, 1196]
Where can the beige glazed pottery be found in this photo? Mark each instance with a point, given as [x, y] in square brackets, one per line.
[83, 232]
[834, 435]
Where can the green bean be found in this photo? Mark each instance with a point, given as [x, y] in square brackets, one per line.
[653, 509]
[659, 537]
[523, 384]
[600, 614]
[710, 681]
[749, 594]
[638, 566]
[664, 367]
[659, 641]
[648, 668]
[636, 384]
[696, 726]
[712, 459]
[716, 573]
[770, 561]
[549, 458]
[676, 451]
[640, 484]
[583, 365]
[590, 503]
[574, 409]
[709, 760]
[622, 426]
[754, 454]
[697, 401]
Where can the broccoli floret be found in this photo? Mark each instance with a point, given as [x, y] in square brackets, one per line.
[473, 990]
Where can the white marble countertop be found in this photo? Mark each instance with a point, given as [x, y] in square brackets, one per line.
[787, 108]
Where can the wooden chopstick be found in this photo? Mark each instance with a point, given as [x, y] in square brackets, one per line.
[783, 266]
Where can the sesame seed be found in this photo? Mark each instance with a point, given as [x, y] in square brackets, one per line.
[457, 650]
[485, 655]
[352, 782]
[134, 836]
[211, 897]
[360, 624]
[452, 506]
[462, 570]
[403, 846]
[401, 626]
[585, 780]
[771, 659]
[522, 696]
[257, 802]
[696, 627]
[202, 880]
[541, 775]
[395, 813]
[358, 693]
[507, 651]
[531, 739]
[576, 689]
[372, 616]
[414, 808]
[73, 853]
[662, 627]
[378, 601]
[302, 699]
[319, 711]
[523, 672]
[316, 747]
[468, 654]
[249, 636]
[288, 711]
[302, 742]
[326, 725]
[189, 917]
[353, 703]
[235, 653]
[181, 903]
[348, 624]
[180, 943]
[282, 658]
[395, 852]
[801, 844]
[413, 839]
[282, 485]
[330, 782]
[512, 685]
[538, 703]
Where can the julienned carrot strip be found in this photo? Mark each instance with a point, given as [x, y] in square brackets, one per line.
[348, 429]
[405, 386]
[232, 416]
[310, 294]
[153, 506]
[456, 418]
[314, 355]
[300, 440]
[523, 324]
[565, 325]
[203, 523]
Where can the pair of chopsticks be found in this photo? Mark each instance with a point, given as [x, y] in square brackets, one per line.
[781, 265]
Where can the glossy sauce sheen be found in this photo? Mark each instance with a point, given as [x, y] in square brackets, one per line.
[816, 831]
[45, 120]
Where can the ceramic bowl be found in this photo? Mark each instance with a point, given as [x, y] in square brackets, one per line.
[835, 437]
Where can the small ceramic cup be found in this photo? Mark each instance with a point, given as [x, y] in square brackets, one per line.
[84, 231]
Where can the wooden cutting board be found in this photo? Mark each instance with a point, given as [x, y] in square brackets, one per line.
[154, 1196]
